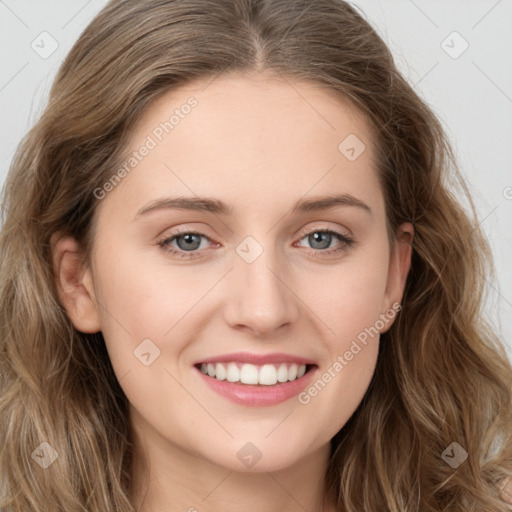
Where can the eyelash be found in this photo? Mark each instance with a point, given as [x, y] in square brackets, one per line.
[346, 242]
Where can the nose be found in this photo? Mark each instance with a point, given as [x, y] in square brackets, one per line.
[260, 297]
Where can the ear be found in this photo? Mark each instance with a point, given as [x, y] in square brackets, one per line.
[399, 266]
[74, 284]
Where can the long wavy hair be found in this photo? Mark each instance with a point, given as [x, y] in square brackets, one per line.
[442, 374]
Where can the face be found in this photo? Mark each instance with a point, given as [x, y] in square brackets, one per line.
[244, 328]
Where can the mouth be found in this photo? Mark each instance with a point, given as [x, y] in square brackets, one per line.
[248, 374]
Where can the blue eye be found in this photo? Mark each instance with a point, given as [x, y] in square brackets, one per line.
[328, 235]
[189, 242]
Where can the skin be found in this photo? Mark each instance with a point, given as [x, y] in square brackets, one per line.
[259, 144]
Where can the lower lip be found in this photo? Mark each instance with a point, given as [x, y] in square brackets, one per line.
[258, 395]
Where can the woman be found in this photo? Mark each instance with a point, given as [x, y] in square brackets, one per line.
[234, 276]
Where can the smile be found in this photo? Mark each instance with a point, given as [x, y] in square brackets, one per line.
[265, 375]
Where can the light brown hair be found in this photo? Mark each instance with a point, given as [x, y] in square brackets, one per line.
[442, 375]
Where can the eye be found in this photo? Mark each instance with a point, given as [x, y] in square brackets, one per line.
[189, 242]
[321, 239]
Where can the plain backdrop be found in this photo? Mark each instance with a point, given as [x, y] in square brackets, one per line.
[456, 54]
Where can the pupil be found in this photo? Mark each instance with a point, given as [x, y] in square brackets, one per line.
[189, 239]
[322, 237]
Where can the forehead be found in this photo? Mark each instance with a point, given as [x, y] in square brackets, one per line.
[254, 108]
[255, 139]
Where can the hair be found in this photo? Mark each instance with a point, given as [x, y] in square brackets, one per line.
[442, 373]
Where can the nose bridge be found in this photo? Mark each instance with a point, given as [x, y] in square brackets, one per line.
[260, 298]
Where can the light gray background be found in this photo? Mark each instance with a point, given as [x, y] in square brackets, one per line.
[471, 93]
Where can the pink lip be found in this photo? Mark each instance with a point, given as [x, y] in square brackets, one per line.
[258, 395]
[258, 359]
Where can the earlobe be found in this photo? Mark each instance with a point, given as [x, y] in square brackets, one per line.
[74, 284]
[399, 265]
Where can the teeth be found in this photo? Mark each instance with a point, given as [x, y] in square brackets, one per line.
[220, 372]
[266, 375]
[249, 374]
[282, 373]
[233, 373]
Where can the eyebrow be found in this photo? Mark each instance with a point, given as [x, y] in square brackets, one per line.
[216, 206]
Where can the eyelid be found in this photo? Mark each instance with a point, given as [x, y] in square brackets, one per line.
[322, 226]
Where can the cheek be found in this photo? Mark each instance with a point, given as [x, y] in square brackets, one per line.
[143, 303]
[139, 302]
[350, 311]
[144, 295]
[348, 299]
[349, 303]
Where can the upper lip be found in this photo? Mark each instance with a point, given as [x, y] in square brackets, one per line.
[257, 359]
